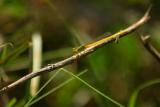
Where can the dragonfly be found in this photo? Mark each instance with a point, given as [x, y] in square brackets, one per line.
[96, 43]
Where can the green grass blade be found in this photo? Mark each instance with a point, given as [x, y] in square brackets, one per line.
[4, 51]
[52, 77]
[16, 52]
[6, 44]
[133, 98]
[94, 89]
[11, 103]
[56, 88]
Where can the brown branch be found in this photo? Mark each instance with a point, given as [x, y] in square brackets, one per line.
[80, 54]
[151, 49]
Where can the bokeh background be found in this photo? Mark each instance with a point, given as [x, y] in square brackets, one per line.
[117, 69]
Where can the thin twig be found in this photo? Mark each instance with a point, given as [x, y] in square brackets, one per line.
[80, 54]
[151, 49]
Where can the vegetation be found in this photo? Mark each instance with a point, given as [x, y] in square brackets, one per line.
[39, 33]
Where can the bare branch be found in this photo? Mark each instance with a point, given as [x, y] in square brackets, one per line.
[80, 54]
[149, 47]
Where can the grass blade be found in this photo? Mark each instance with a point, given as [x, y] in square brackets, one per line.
[56, 88]
[11, 102]
[52, 77]
[133, 98]
[94, 89]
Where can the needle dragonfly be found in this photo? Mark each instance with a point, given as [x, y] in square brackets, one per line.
[99, 42]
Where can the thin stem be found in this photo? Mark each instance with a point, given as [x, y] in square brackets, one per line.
[55, 89]
[133, 98]
[94, 89]
[54, 75]
[151, 49]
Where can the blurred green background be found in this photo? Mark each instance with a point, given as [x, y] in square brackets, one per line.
[119, 70]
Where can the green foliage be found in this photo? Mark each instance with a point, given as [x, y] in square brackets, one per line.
[75, 22]
[94, 89]
[136, 92]
[4, 53]
[53, 76]
[13, 8]
[31, 101]
[11, 103]
[16, 52]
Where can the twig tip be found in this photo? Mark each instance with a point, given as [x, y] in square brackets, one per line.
[148, 10]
